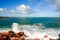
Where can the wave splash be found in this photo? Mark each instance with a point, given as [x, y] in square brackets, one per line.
[34, 31]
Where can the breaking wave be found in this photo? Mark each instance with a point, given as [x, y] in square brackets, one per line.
[34, 31]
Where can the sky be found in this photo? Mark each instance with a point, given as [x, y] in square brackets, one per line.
[30, 8]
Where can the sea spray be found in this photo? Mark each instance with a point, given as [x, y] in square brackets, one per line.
[15, 27]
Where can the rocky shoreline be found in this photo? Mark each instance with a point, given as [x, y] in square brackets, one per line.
[11, 35]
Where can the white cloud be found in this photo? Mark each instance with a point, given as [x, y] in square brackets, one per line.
[24, 9]
[1, 9]
[21, 9]
[55, 4]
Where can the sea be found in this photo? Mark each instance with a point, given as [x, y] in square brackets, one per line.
[34, 27]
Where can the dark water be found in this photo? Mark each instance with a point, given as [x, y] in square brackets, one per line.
[47, 22]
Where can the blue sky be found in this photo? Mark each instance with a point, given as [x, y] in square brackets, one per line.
[30, 8]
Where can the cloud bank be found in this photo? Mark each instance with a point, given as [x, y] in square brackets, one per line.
[22, 9]
[45, 8]
[55, 4]
[2, 9]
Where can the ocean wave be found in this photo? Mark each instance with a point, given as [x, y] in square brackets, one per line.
[34, 31]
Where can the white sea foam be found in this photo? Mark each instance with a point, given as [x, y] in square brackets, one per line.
[15, 27]
[35, 31]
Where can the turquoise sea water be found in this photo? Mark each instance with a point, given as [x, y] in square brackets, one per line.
[47, 22]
